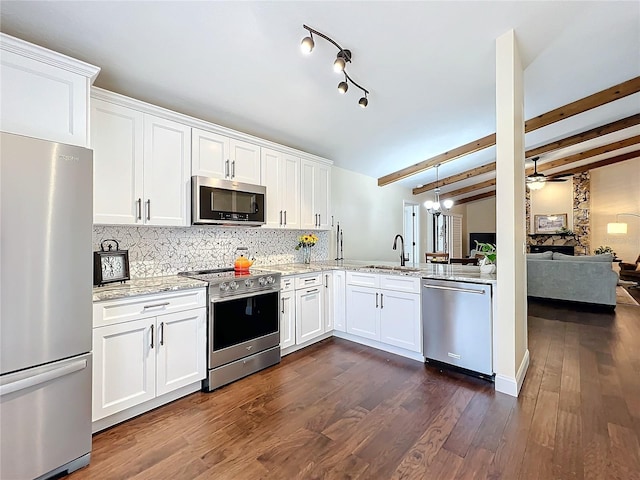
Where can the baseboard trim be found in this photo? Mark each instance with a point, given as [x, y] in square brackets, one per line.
[509, 385]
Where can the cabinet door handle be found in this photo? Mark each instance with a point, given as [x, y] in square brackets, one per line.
[381, 300]
[319, 220]
[285, 218]
[280, 217]
[156, 305]
[161, 333]
[139, 205]
[326, 281]
[332, 220]
[226, 169]
[283, 305]
[233, 169]
[376, 300]
[152, 335]
[148, 209]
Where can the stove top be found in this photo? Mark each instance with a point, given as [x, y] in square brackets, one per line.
[226, 281]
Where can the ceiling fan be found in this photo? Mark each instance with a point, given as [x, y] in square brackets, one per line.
[536, 180]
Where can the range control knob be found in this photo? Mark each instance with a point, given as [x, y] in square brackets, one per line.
[248, 282]
[270, 280]
[261, 280]
[224, 287]
[233, 285]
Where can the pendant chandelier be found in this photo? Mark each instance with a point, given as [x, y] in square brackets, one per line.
[435, 207]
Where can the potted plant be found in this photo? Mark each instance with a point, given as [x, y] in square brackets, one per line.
[604, 249]
[488, 261]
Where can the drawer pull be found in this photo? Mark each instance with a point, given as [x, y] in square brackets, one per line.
[157, 305]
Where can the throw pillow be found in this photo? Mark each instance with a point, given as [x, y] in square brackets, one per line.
[540, 256]
[604, 257]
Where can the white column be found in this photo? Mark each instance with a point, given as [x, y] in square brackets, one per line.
[511, 357]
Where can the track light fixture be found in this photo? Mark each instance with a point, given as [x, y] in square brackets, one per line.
[342, 58]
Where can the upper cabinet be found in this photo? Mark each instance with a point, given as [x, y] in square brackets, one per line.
[281, 176]
[44, 94]
[315, 188]
[141, 167]
[218, 156]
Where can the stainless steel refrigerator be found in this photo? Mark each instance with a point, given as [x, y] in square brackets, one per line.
[45, 307]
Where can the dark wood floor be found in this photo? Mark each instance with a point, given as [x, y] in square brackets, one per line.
[340, 410]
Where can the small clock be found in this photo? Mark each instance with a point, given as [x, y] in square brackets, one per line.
[110, 265]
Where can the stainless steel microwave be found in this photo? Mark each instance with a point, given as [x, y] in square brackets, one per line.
[225, 202]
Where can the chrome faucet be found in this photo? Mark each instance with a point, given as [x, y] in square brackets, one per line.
[403, 259]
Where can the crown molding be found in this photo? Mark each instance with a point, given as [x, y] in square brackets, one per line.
[44, 55]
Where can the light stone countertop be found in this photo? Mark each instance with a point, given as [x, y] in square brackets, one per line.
[145, 286]
[151, 285]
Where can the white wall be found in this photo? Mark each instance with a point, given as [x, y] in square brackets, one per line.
[615, 189]
[369, 215]
[554, 198]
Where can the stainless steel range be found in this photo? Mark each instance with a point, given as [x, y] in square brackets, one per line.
[243, 328]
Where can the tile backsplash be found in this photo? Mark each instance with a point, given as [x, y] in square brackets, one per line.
[158, 251]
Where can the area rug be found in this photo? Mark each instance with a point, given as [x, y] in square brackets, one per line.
[623, 297]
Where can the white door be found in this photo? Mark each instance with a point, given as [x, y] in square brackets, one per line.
[245, 162]
[271, 177]
[124, 366]
[287, 319]
[363, 313]
[400, 320]
[117, 140]
[309, 314]
[339, 301]
[210, 154]
[411, 229]
[181, 349]
[290, 190]
[167, 172]
[327, 283]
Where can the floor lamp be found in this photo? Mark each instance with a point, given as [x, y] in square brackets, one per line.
[618, 227]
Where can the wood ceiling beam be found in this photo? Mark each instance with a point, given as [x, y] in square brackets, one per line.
[470, 188]
[583, 168]
[612, 127]
[480, 196]
[587, 103]
[574, 108]
[628, 142]
[490, 167]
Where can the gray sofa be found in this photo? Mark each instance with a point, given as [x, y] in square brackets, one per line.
[587, 279]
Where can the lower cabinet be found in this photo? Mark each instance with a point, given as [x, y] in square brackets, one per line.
[387, 315]
[287, 319]
[309, 314]
[140, 359]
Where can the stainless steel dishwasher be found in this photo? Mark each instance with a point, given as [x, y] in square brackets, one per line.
[457, 324]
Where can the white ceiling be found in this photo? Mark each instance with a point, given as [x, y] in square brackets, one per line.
[429, 66]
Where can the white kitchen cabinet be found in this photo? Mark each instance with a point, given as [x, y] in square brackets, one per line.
[400, 320]
[363, 314]
[327, 278]
[287, 319]
[181, 340]
[219, 156]
[388, 315]
[141, 167]
[281, 175]
[309, 314]
[124, 366]
[146, 347]
[339, 301]
[315, 188]
[44, 93]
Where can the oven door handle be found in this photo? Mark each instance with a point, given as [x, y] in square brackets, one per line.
[246, 295]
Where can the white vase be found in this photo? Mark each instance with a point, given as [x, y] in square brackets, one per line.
[488, 268]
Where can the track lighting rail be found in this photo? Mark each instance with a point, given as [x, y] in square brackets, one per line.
[343, 57]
